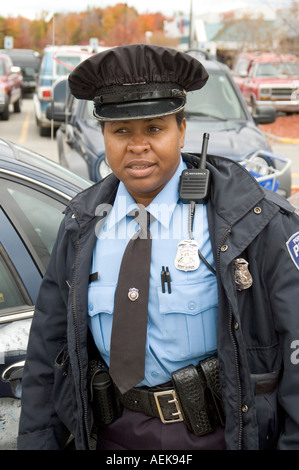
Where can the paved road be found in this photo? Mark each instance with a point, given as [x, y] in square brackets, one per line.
[21, 128]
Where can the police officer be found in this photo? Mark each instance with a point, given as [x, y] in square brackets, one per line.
[207, 362]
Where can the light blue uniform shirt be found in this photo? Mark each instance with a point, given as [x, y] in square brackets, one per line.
[182, 325]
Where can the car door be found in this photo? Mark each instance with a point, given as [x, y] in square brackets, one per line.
[30, 215]
[73, 144]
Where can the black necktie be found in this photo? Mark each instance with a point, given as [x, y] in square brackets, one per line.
[128, 337]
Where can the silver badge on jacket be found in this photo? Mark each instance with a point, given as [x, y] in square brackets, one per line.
[242, 275]
[187, 258]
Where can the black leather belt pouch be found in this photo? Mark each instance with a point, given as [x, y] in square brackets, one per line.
[105, 405]
[199, 404]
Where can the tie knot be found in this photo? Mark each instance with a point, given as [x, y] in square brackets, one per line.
[143, 219]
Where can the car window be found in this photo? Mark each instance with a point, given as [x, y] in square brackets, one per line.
[277, 69]
[29, 71]
[242, 65]
[36, 215]
[216, 99]
[87, 115]
[65, 64]
[47, 64]
[12, 292]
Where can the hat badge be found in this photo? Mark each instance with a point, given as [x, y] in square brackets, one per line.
[133, 294]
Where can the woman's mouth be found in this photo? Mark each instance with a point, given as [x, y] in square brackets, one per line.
[140, 169]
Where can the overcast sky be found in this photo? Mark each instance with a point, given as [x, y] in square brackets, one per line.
[32, 8]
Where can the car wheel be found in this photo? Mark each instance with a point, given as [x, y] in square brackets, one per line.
[5, 113]
[253, 104]
[44, 131]
[17, 106]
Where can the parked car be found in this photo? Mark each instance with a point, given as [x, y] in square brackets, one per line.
[10, 87]
[29, 62]
[218, 108]
[268, 79]
[34, 191]
[56, 61]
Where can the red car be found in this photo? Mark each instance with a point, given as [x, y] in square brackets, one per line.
[268, 78]
[11, 79]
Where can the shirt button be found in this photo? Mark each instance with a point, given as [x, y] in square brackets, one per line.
[257, 210]
[244, 408]
[236, 325]
[154, 374]
[191, 305]
[90, 306]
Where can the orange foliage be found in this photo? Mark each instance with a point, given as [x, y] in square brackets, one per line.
[115, 25]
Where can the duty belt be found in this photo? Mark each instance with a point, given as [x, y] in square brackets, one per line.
[194, 396]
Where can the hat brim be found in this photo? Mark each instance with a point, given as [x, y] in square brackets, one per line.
[138, 109]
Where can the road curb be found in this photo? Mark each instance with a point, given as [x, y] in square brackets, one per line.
[283, 140]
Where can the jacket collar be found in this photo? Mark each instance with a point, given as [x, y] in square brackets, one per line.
[229, 196]
[233, 191]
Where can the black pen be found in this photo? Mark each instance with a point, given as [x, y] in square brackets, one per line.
[163, 279]
[168, 280]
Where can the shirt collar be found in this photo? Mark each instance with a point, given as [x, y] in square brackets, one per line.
[162, 211]
[162, 207]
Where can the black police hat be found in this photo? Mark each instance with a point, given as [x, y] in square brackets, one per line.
[137, 81]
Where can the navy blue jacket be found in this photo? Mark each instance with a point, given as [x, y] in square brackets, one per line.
[258, 328]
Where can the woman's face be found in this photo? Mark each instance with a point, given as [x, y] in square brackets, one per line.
[144, 153]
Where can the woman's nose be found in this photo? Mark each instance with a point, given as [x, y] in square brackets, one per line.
[138, 144]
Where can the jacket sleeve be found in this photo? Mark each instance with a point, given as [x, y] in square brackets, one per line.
[40, 427]
[283, 275]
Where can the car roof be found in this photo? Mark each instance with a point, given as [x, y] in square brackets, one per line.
[270, 57]
[32, 166]
[210, 64]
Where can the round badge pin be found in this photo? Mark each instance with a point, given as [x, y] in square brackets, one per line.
[133, 294]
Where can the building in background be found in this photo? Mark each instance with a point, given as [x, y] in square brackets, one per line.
[247, 28]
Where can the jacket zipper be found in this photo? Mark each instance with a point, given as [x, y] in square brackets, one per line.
[231, 327]
[75, 320]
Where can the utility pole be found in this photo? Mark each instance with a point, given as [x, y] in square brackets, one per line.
[191, 25]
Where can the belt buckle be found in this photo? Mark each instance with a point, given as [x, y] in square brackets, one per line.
[177, 413]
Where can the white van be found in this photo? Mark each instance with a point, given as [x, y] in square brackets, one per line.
[56, 61]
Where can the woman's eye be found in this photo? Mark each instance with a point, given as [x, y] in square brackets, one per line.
[121, 130]
[154, 129]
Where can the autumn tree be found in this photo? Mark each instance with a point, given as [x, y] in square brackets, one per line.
[92, 24]
[38, 31]
[248, 32]
[287, 29]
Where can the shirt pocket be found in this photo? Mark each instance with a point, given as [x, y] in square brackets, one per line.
[189, 317]
[100, 310]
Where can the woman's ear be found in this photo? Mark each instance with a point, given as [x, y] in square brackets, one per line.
[183, 132]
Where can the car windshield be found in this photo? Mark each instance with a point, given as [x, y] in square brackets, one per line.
[277, 69]
[216, 100]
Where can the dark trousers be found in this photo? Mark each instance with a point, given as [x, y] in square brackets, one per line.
[136, 431]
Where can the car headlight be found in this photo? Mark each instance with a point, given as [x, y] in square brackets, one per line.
[104, 169]
[265, 93]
